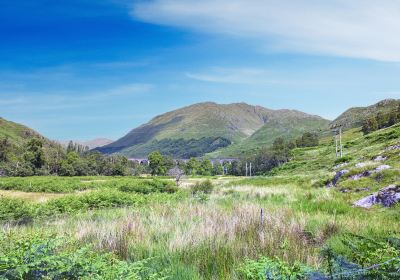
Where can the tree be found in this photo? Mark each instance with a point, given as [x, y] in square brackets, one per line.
[308, 139]
[34, 153]
[157, 164]
[382, 120]
[177, 173]
[370, 125]
[205, 168]
[192, 166]
[393, 118]
[217, 169]
[5, 148]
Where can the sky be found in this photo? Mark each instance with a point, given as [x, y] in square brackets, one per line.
[82, 69]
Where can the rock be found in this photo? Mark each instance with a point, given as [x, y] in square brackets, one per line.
[382, 167]
[361, 165]
[393, 148]
[338, 175]
[380, 158]
[369, 173]
[341, 165]
[387, 197]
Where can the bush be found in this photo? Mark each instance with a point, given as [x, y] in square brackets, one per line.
[273, 269]
[343, 159]
[89, 201]
[205, 187]
[53, 184]
[16, 210]
[41, 256]
[146, 187]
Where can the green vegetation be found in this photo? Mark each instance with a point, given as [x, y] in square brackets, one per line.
[381, 120]
[285, 224]
[355, 117]
[72, 184]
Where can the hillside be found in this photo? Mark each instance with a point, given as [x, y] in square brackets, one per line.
[206, 127]
[98, 142]
[16, 133]
[294, 124]
[354, 117]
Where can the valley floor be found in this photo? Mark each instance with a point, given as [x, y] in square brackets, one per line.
[287, 225]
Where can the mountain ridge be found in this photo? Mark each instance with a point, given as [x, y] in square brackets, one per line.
[210, 122]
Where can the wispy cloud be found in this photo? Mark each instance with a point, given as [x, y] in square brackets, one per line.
[357, 28]
[58, 100]
[12, 101]
[233, 76]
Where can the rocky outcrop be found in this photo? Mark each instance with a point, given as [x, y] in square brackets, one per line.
[387, 197]
[393, 148]
[335, 179]
[370, 172]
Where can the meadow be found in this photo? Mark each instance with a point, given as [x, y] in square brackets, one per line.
[287, 225]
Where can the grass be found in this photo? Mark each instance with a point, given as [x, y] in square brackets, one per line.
[233, 230]
[54, 184]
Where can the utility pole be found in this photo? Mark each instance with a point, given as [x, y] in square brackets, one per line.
[340, 139]
[336, 143]
[250, 169]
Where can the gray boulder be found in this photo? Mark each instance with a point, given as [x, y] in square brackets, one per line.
[393, 148]
[382, 167]
[387, 197]
[380, 158]
[338, 175]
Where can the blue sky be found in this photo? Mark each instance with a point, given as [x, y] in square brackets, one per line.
[82, 69]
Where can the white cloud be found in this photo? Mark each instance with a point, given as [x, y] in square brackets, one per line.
[351, 28]
[233, 76]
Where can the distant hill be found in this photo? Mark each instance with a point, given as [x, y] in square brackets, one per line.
[206, 127]
[17, 133]
[95, 143]
[354, 117]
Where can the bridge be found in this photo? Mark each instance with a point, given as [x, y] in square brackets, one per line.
[145, 161]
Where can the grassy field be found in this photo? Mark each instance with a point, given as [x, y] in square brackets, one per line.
[287, 224]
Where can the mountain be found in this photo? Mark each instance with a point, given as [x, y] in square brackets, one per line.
[206, 127]
[354, 117]
[95, 143]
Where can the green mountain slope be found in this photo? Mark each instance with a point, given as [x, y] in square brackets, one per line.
[16, 133]
[362, 153]
[206, 127]
[354, 117]
[15, 136]
[288, 124]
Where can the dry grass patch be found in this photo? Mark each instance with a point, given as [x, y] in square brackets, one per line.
[29, 196]
[188, 228]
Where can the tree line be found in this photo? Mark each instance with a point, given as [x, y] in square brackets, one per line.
[381, 120]
[263, 161]
[38, 157]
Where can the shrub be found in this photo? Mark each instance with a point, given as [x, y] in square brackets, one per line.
[89, 201]
[41, 256]
[16, 210]
[343, 159]
[205, 187]
[146, 187]
[273, 269]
